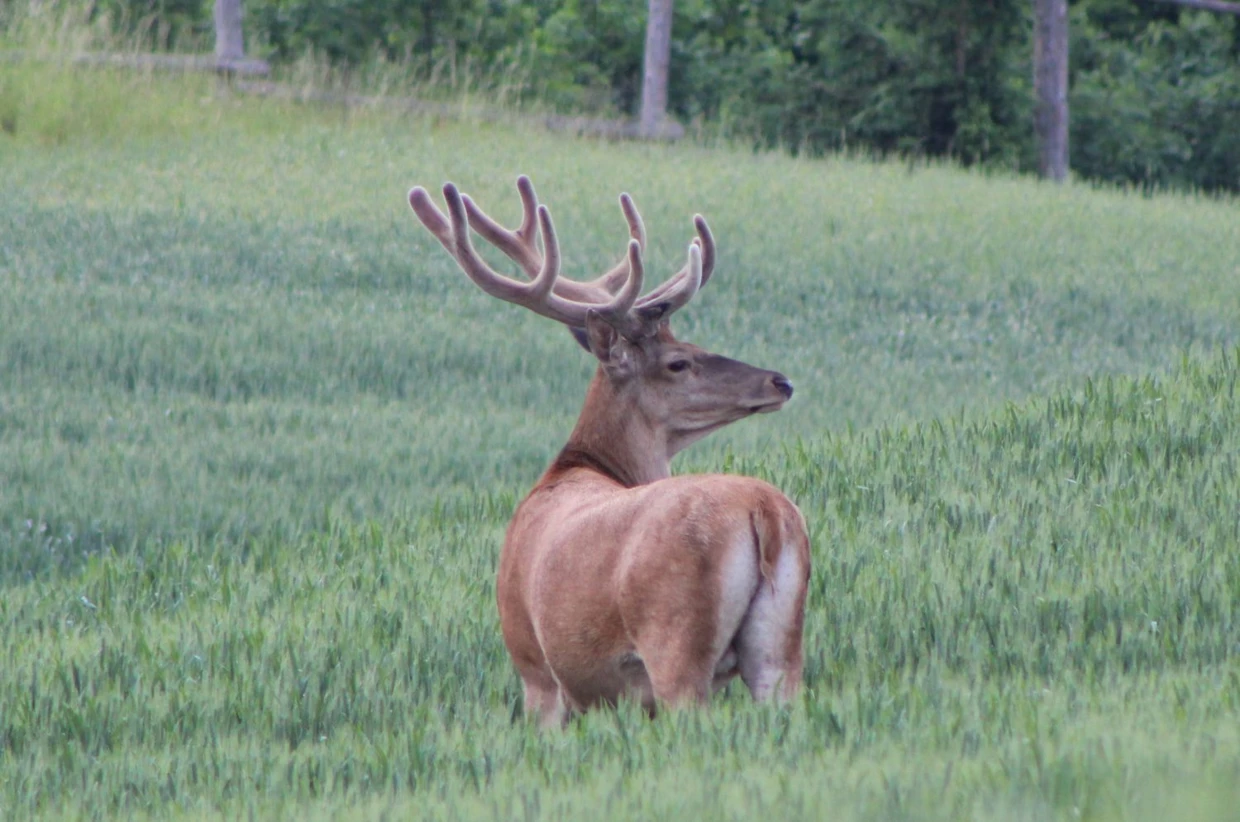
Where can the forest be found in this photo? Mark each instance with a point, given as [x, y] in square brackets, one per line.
[1154, 86]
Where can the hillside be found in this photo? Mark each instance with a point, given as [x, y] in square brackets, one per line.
[221, 318]
[259, 440]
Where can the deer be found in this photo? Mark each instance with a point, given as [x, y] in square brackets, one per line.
[617, 580]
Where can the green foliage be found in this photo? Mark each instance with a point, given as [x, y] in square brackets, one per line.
[1154, 87]
[158, 24]
[47, 98]
[916, 78]
[54, 104]
[437, 37]
[259, 440]
[1161, 108]
[589, 55]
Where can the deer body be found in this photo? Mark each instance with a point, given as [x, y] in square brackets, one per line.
[703, 578]
[617, 580]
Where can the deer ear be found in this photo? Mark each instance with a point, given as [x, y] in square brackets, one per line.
[600, 336]
[606, 343]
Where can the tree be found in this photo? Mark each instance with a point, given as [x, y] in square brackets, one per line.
[1222, 6]
[229, 44]
[654, 78]
[1050, 86]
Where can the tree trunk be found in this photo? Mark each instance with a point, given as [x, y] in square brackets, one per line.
[1050, 86]
[654, 80]
[228, 42]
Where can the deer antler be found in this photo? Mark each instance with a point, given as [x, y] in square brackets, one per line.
[539, 295]
[672, 289]
[613, 295]
[520, 244]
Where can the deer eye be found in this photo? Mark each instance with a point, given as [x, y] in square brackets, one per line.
[676, 366]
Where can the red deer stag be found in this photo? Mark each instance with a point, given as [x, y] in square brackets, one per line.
[617, 579]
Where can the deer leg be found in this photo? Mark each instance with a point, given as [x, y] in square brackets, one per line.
[544, 699]
[678, 685]
[681, 666]
[690, 653]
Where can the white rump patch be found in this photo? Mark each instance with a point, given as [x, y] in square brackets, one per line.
[764, 637]
[738, 583]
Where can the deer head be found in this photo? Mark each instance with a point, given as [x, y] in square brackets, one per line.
[653, 394]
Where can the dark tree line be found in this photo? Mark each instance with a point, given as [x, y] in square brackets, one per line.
[1154, 87]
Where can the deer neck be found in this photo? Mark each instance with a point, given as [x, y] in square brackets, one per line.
[613, 438]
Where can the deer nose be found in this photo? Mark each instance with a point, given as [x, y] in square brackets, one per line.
[783, 385]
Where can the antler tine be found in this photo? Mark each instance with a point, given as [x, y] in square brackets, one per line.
[637, 228]
[617, 311]
[534, 295]
[539, 295]
[615, 278]
[549, 275]
[431, 217]
[675, 286]
[708, 246]
[681, 288]
[519, 244]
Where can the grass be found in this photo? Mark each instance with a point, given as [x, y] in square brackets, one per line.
[237, 327]
[259, 440]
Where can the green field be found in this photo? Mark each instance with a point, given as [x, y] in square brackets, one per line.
[259, 440]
